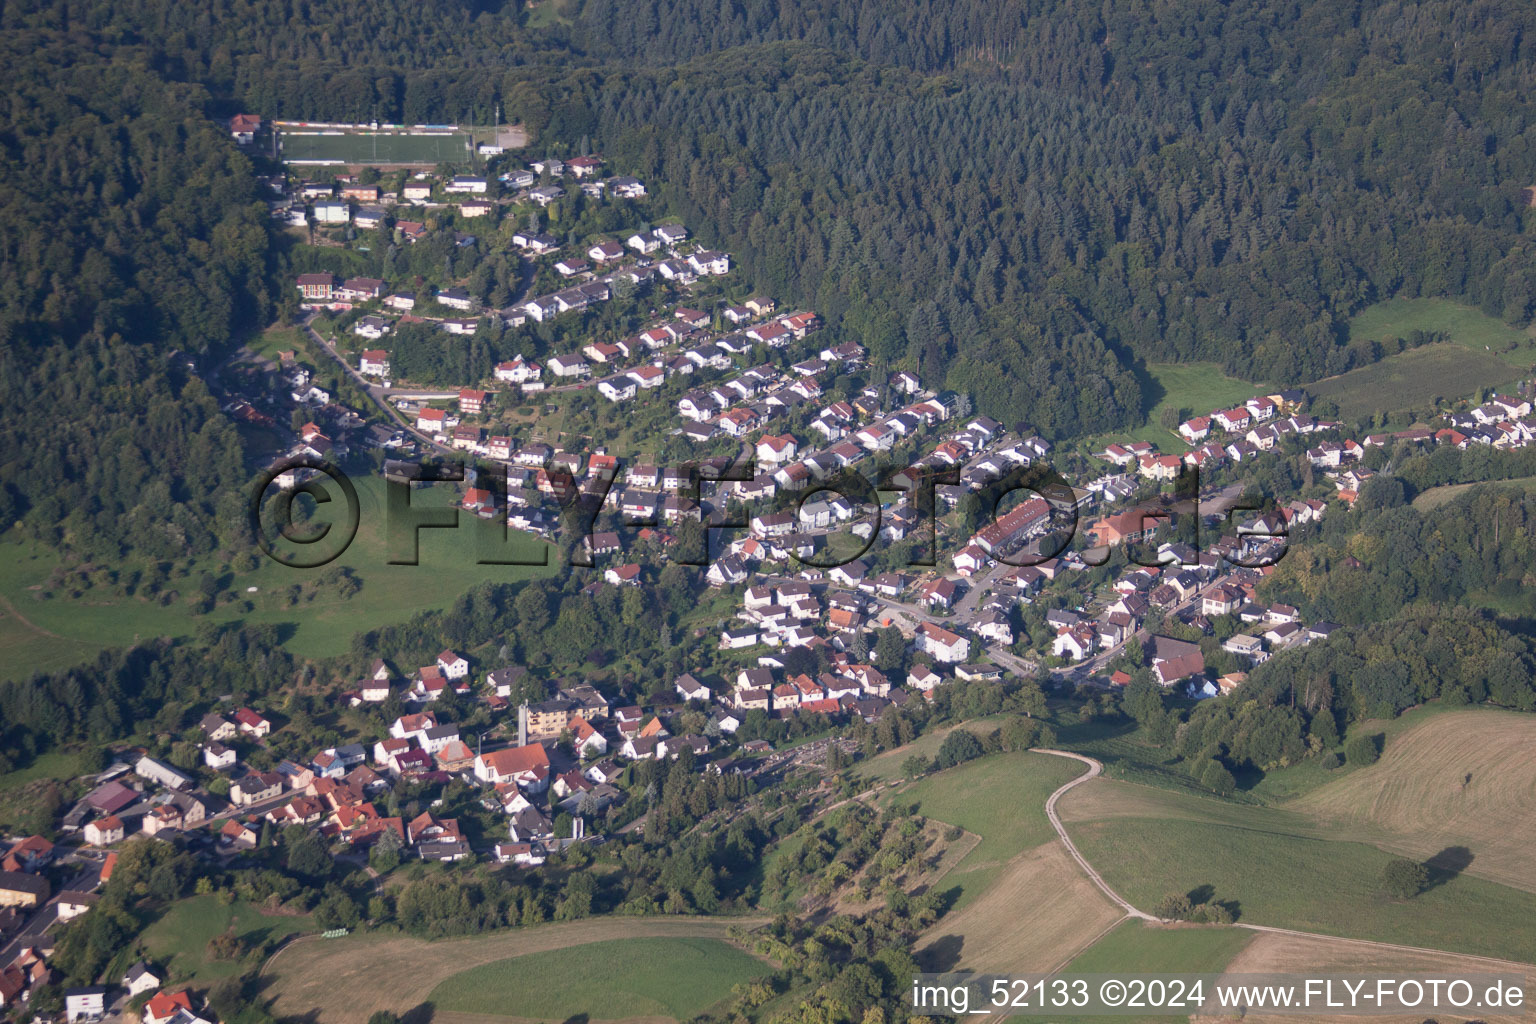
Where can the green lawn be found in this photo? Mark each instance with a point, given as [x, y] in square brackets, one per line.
[1136, 947]
[1002, 799]
[279, 339]
[1434, 497]
[1397, 318]
[1201, 388]
[1123, 749]
[1253, 856]
[58, 764]
[19, 798]
[1414, 379]
[548, 13]
[66, 629]
[24, 649]
[887, 766]
[1128, 756]
[620, 978]
[179, 940]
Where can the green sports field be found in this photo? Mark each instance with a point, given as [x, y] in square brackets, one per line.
[614, 980]
[369, 147]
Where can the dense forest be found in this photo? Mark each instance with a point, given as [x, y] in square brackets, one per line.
[1025, 201]
[134, 242]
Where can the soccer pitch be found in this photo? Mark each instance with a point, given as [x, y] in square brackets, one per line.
[374, 147]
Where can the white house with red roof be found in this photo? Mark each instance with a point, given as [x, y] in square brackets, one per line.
[1197, 429]
[374, 363]
[528, 766]
[472, 401]
[774, 450]
[623, 575]
[435, 421]
[1160, 467]
[518, 371]
[251, 723]
[163, 1007]
[413, 727]
[452, 665]
[738, 422]
[588, 741]
[1260, 408]
[648, 376]
[970, 560]
[243, 127]
[943, 645]
[1234, 420]
[1074, 642]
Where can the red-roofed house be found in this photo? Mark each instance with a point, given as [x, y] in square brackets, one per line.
[243, 127]
[452, 665]
[589, 742]
[163, 1006]
[252, 724]
[473, 402]
[942, 644]
[623, 575]
[527, 766]
[104, 831]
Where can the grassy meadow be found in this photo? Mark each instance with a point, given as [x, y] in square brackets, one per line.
[1280, 870]
[47, 624]
[178, 941]
[1000, 798]
[613, 980]
[1464, 325]
[1200, 387]
[1413, 379]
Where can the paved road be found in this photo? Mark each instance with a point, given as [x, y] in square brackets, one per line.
[47, 915]
[372, 390]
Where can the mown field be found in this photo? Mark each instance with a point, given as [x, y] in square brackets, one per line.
[341, 981]
[1277, 867]
[1021, 904]
[178, 941]
[1456, 779]
[1434, 497]
[613, 980]
[1136, 947]
[1040, 911]
[1000, 798]
[1413, 380]
[45, 626]
[1140, 947]
[1466, 326]
[1199, 387]
[1302, 954]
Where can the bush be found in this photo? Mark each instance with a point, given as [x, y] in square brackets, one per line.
[1174, 907]
[1363, 750]
[1404, 879]
[959, 746]
[1217, 779]
[1330, 761]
